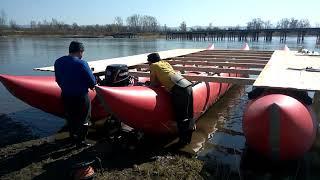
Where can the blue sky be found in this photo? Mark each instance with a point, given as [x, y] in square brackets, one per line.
[169, 12]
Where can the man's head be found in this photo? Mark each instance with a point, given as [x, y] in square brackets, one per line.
[76, 49]
[153, 57]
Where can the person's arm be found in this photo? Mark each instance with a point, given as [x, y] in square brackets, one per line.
[153, 76]
[91, 80]
[57, 75]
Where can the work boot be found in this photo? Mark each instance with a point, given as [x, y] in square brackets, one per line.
[84, 144]
[82, 133]
[185, 137]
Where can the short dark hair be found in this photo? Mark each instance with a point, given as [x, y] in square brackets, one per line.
[76, 46]
[154, 57]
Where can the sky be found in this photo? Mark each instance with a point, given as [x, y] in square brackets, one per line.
[169, 12]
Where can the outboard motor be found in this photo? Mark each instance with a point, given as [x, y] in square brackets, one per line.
[116, 75]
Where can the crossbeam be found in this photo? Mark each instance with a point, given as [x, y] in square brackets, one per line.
[227, 56]
[247, 65]
[232, 80]
[207, 69]
[237, 51]
[236, 60]
[233, 53]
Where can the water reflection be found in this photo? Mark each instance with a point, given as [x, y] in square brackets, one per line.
[221, 129]
[27, 124]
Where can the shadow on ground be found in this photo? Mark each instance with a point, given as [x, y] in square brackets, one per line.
[53, 159]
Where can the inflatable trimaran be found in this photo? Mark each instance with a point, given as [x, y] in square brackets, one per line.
[143, 108]
[276, 125]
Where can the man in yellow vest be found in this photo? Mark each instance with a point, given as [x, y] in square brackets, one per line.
[162, 74]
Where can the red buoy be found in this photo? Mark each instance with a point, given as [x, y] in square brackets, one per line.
[279, 126]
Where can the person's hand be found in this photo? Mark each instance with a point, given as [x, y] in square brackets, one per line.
[147, 83]
[93, 89]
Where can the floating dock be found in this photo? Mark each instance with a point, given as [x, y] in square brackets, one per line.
[206, 63]
[288, 69]
[273, 69]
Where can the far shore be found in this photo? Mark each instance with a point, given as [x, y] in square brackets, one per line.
[79, 35]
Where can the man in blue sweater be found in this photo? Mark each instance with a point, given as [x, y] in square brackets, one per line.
[75, 77]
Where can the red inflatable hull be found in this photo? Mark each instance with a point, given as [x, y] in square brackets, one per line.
[150, 109]
[279, 126]
[143, 108]
[43, 92]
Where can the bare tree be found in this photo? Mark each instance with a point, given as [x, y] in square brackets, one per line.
[75, 26]
[293, 23]
[149, 24]
[33, 24]
[210, 26]
[145, 24]
[304, 23]
[165, 28]
[117, 25]
[183, 26]
[267, 24]
[118, 20]
[3, 19]
[56, 25]
[134, 22]
[283, 23]
[255, 23]
[13, 24]
[237, 27]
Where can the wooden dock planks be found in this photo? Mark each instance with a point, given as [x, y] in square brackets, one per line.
[287, 70]
[207, 69]
[204, 62]
[100, 65]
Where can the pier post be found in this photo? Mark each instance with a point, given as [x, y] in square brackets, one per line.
[283, 37]
[318, 39]
[299, 38]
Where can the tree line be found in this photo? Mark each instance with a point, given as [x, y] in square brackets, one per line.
[284, 23]
[255, 24]
[134, 24]
[139, 24]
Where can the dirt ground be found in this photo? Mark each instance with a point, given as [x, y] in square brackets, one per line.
[53, 158]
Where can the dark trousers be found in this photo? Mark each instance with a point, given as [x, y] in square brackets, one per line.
[78, 113]
[183, 108]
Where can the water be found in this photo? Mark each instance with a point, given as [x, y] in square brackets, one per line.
[219, 135]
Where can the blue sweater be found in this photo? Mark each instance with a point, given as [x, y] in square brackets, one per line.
[73, 75]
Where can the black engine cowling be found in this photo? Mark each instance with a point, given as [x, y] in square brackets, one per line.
[116, 75]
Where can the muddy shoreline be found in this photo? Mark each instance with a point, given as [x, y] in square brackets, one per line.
[52, 158]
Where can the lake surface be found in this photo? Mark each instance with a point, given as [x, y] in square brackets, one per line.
[219, 135]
